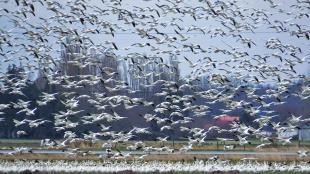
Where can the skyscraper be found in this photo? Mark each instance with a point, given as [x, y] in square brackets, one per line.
[307, 61]
[72, 55]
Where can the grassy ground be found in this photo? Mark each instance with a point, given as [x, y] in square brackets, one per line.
[210, 145]
[168, 157]
[4, 143]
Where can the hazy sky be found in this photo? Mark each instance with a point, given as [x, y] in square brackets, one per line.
[125, 38]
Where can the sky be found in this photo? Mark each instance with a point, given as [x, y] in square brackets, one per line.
[126, 37]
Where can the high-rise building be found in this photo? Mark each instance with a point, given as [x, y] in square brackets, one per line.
[72, 52]
[174, 68]
[81, 60]
[141, 72]
[307, 72]
[78, 59]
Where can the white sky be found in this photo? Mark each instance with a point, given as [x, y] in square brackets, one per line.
[124, 39]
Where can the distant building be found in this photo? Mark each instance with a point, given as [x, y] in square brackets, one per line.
[141, 72]
[288, 133]
[308, 75]
[228, 119]
[304, 133]
[308, 68]
[174, 68]
[223, 121]
[78, 58]
[71, 56]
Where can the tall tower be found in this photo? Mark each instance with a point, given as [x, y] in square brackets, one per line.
[71, 51]
[174, 68]
[308, 73]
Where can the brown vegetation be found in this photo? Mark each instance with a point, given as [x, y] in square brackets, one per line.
[159, 157]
